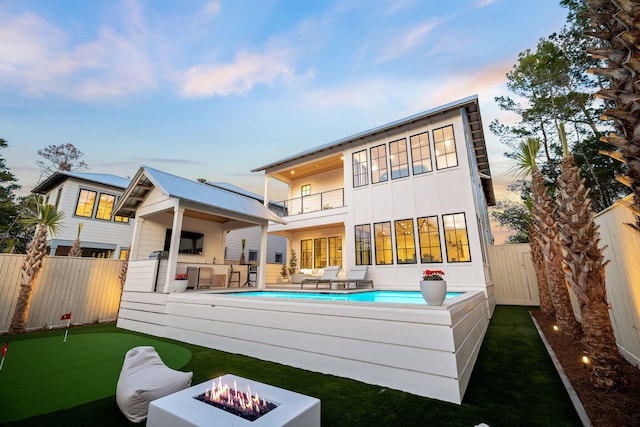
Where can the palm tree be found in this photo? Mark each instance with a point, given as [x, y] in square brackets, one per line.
[584, 269]
[545, 234]
[618, 27]
[47, 220]
[76, 250]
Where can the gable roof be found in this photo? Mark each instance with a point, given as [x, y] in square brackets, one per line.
[96, 178]
[473, 118]
[210, 198]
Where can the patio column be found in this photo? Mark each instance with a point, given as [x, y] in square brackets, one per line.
[174, 249]
[263, 256]
[267, 180]
[135, 242]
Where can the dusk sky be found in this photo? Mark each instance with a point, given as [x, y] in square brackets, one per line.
[213, 89]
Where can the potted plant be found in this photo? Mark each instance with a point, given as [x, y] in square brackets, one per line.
[243, 242]
[180, 283]
[433, 287]
[284, 273]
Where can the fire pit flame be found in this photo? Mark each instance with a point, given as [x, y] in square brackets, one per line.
[245, 405]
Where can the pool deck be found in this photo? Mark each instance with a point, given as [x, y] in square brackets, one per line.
[424, 350]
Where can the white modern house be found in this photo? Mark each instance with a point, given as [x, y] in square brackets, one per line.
[401, 198]
[88, 198]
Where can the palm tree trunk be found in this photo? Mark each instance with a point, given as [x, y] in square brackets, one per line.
[584, 268]
[29, 270]
[546, 305]
[545, 221]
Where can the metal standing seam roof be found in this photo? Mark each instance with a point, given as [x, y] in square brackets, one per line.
[97, 178]
[197, 192]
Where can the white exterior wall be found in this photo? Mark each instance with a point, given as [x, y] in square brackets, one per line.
[435, 193]
[275, 244]
[95, 232]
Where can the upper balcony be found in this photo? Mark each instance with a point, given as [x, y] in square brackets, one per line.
[311, 203]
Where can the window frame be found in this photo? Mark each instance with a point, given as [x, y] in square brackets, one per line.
[100, 206]
[93, 203]
[362, 236]
[450, 259]
[320, 252]
[306, 258]
[360, 169]
[334, 250]
[381, 173]
[426, 247]
[406, 236]
[395, 161]
[387, 248]
[444, 145]
[418, 157]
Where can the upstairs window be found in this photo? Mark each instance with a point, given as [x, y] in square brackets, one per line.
[405, 242]
[399, 159]
[305, 190]
[445, 146]
[86, 201]
[421, 153]
[360, 169]
[105, 206]
[363, 244]
[379, 164]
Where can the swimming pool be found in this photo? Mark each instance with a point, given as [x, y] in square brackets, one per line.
[401, 297]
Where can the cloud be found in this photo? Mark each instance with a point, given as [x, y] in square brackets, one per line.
[36, 57]
[414, 37]
[484, 3]
[362, 94]
[209, 11]
[237, 77]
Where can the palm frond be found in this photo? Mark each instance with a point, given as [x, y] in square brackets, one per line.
[525, 157]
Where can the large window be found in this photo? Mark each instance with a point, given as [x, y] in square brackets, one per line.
[360, 169]
[306, 253]
[363, 244]
[456, 238]
[429, 235]
[105, 206]
[379, 164]
[190, 242]
[335, 250]
[320, 253]
[405, 242]
[399, 158]
[421, 153]
[86, 201]
[445, 146]
[384, 250]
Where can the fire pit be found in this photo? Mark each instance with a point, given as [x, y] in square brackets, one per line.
[230, 400]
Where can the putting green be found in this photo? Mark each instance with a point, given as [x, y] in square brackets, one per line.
[46, 374]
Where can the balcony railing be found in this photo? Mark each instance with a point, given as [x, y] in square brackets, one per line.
[311, 203]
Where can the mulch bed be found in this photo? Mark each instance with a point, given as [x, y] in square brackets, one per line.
[603, 408]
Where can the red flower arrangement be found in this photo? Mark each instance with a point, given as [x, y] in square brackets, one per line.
[433, 275]
[181, 276]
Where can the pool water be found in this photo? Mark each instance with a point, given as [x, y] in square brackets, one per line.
[402, 297]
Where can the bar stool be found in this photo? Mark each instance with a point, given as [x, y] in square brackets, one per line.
[252, 275]
[234, 277]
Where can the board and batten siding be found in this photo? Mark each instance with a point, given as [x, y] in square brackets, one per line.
[87, 287]
[513, 275]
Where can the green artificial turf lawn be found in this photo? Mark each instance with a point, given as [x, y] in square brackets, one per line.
[513, 383]
[47, 374]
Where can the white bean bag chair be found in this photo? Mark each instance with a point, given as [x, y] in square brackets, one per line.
[144, 377]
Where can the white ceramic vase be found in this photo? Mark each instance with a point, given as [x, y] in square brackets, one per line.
[180, 285]
[433, 291]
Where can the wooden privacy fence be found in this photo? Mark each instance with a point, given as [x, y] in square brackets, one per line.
[87, 287]
[515, 282]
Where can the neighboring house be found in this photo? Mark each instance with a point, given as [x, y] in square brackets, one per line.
[401, 198]
[276, 245]
[88, 198]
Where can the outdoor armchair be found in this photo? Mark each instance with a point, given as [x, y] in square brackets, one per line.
[329, 273]
[357, 276]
